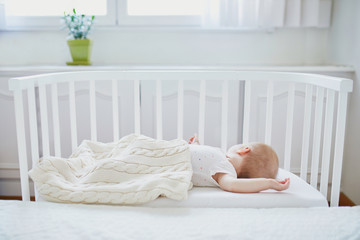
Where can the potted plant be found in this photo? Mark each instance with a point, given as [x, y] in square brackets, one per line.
[79, 26]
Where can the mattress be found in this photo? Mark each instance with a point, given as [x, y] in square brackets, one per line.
[46, 220]
[299, 194]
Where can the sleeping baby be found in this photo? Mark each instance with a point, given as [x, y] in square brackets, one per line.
[246, 168]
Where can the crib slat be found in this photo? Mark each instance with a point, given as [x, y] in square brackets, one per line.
[137, 105]
[93, 111]
[269, 111]
[317, 136]
[34, 138]
[202, 101]
[306, 132]
[33, 125]
[72, 115]
[115, 111]
[289, 126]
[55, 112]
[247, 101]
[329, 116]
[44, 121]
[339, 148]
[180, 114]
[224, 115]
[158, 110]
[20, 135]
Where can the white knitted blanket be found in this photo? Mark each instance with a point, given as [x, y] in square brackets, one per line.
[134, 170]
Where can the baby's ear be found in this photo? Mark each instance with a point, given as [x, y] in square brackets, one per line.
[243, 150]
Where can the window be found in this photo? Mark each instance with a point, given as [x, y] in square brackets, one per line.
[236, 14]
[160, 12]
[53, 8]
[45, 13]
[164, 7]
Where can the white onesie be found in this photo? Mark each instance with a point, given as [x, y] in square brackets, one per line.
[207, 161]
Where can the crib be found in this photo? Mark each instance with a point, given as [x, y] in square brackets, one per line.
[41, 130]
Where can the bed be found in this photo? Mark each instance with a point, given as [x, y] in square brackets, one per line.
[46, 220]
[316, 182]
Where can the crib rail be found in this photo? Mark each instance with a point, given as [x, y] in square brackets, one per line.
[319, 125]
[338, 84]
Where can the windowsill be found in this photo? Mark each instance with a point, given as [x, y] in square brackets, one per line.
[51, 68]
[158, 28]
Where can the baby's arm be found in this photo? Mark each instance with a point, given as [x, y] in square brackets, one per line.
[249, 185]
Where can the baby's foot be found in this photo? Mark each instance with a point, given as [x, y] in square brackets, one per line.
[194, 139]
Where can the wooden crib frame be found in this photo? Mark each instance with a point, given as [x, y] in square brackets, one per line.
[333, 86]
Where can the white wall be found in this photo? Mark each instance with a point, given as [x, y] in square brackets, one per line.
[344, 48]
[170, 47]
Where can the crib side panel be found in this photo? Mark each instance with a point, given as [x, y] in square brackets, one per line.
[317, 123]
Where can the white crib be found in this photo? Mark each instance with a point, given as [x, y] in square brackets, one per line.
[323, 124]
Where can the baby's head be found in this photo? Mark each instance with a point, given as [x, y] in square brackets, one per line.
[254, 160]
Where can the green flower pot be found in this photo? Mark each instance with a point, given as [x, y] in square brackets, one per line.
[80, 50]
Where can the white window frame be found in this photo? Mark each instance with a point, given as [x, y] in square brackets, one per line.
[53, 21]
[180, 20]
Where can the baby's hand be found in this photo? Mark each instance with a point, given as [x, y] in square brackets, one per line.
[280, 185]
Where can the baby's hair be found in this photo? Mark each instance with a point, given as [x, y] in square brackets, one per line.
[260, 162]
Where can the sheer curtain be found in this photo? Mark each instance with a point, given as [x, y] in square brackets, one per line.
[2, 16]
[267, 13]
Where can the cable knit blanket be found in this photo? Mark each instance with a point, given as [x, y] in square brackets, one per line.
[134, 170]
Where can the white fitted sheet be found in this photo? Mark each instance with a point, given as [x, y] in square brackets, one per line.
[299, 194]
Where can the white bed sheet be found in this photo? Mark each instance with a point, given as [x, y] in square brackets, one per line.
[46, 220]
[299, 194]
